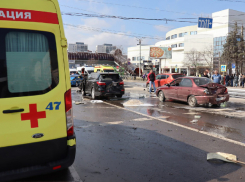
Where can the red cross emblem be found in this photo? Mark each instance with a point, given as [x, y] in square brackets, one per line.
[33, 115]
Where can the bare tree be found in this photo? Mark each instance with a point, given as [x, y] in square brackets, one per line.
[193, 59]
[207, 56]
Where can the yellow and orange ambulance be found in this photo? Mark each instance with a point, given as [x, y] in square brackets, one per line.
[36, 123]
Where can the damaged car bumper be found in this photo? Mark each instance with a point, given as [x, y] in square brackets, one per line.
[213, 99]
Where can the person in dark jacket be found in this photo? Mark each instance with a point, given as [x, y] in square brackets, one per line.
[227, 79]
[231, 79]
[243, 80]
[151, 77]
[205, 74]
[236, 77]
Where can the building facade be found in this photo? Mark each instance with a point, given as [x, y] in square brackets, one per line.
[183, 40]
[105, 48]
[78, 47]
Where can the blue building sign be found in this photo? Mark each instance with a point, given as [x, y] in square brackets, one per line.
[233, 66]
[205, 22]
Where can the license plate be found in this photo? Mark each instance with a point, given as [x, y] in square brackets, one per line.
[221, 98]
[114, 84]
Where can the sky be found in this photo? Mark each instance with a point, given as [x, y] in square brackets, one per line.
[94, 31]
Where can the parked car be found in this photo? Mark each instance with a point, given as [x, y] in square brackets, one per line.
[164, 78]
[194, 90]
[76, 80]
[102, 84]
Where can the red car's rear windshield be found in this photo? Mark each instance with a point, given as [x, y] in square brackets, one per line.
[177, 76]
[202, 81]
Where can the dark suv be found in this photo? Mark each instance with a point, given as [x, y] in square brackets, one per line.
[102, 84]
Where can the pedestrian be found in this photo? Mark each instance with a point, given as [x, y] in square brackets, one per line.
[236, 77]
[231, 79]
[208, 73]
[227, 79]
[222, 79]
[144, 77]
[241, 77]
[216, 77]
[205, 74]
[151, 78]
[243, 80]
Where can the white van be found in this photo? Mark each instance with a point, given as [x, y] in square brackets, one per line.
[86, 69]
[72, 71]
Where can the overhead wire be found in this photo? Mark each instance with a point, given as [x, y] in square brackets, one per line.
[113, 32]
[139, 7]
[124, 18]
[101, 14]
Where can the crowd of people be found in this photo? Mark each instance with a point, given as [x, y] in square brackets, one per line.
[232, 80]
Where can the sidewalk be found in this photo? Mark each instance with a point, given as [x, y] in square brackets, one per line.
[236, 88]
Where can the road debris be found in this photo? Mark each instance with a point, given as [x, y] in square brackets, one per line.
[115, 122]
[194, 121]
[223, 157]
[197, 117]
[78, 103]
[96, 101]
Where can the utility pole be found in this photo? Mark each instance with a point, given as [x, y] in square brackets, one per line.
[140, 57]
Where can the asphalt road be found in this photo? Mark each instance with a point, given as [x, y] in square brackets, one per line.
[153, 141]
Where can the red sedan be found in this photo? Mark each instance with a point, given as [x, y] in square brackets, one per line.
[194, 91]
[164, 78]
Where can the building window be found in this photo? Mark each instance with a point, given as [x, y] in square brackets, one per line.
[133, 58]
[168, 38]
[182, 34]
[181, 44]
[174, 45]
[193, 32]
[218, 46]
[174, 36]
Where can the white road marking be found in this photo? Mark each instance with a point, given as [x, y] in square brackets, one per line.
[142, 119]
[191, 113]
[182, 126]
[164, 117]
[74, 174]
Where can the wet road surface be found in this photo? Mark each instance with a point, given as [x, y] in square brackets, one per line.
[166, 141]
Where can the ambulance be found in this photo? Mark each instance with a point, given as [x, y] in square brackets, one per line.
[103, 68]
[36, 122]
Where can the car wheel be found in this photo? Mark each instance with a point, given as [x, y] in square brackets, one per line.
[77, 84]
[93, 94]
[192, 101]
[161, 96]
[119, 96]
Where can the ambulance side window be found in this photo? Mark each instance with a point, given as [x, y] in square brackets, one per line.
[31, 63]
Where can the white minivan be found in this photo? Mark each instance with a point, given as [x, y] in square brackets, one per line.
[85, 69]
